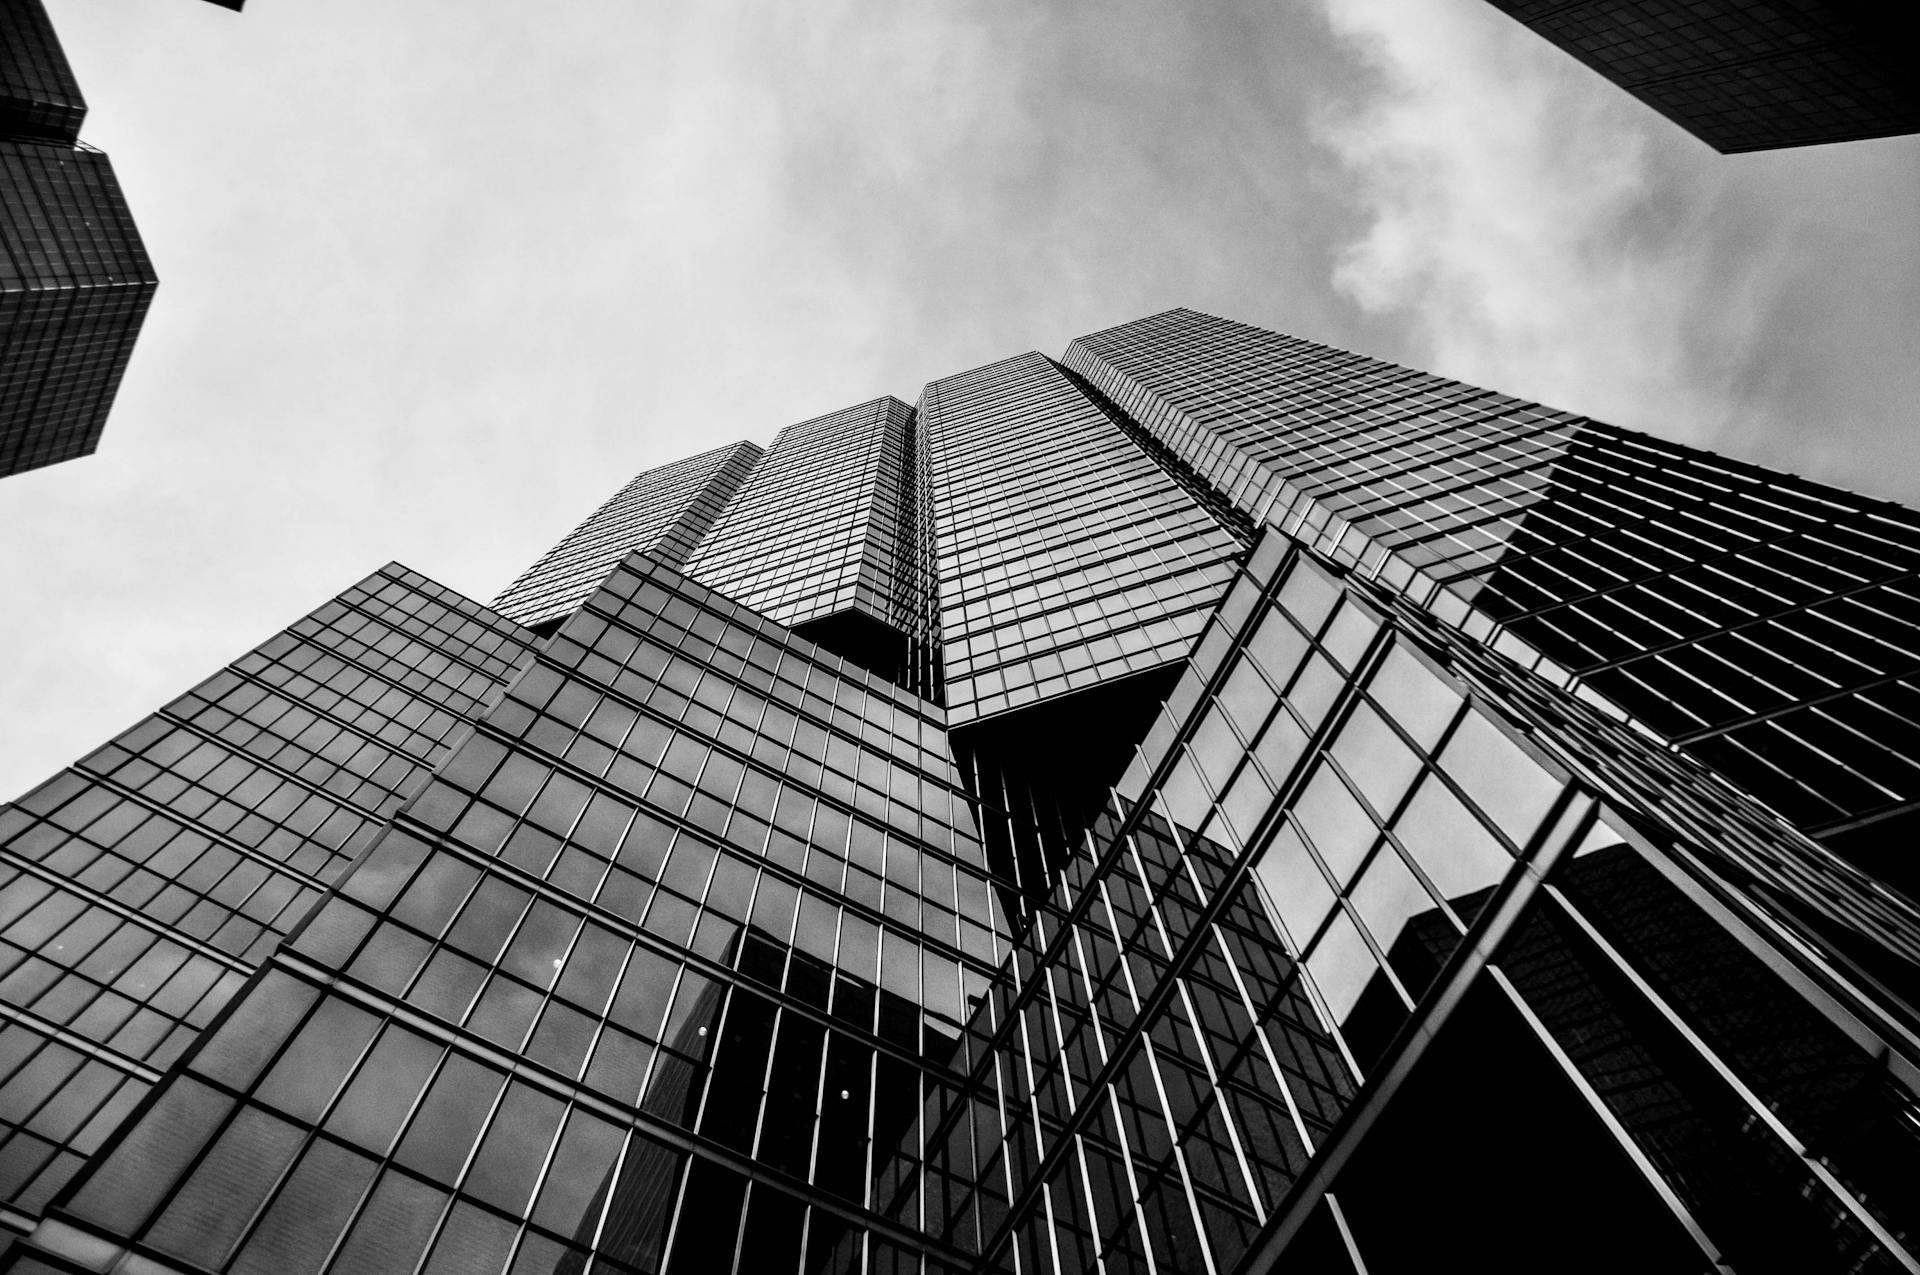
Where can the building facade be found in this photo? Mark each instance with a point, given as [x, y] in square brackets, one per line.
[1745, 76]
[1212, 803]
[664, 512]
[75, 281]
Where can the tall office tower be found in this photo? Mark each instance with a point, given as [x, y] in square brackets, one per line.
[1742, 76]
[1294, 859]
[75, 281]
[825, 538]
[1075, 569]
[664, 512]
[38, 95]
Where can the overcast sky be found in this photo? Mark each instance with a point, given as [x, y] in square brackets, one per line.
[437, 277]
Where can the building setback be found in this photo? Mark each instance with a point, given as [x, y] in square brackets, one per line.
[1213, 803]
[1745, 76]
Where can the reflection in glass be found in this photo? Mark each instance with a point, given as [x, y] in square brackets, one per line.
[1295, 885]
[1339, 829]
[1500, 777]
[1387, 896]
[1277, 646]
[1843, 1103]
[1341, 966]
[1458, 855]
[1350, 633]
[1375, 758]
[1747, 1188]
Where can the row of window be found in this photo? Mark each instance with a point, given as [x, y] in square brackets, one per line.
[129, 927]
[663, 510]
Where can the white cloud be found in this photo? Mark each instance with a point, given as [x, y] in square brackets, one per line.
[1517, 218]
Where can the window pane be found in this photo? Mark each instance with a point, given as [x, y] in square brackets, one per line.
[304, 1079]
[1388, 896]
[1500, 777]
[1278, 646]
[452, 1113]
[393, 1229]
[1375, 758]
[298, 1232]
[219, 1198]
[515, 1147]
[1341, 966]
[577, 1182]
[381, 1095]
[1413, 696]
[1339, 829]
[1248, 698]
[1452, 848]
[1296, 886]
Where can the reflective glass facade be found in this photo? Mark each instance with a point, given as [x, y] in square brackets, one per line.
[75, 281]
[141, 887]
[1069, 555]
[686, 929]
[75, 284]
[663, 511]
[38, 94]
[1539, 935]
[1297, 899]
[1768, 625]
[1743, 76]
[825, 537]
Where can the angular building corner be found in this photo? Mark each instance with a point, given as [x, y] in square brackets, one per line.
[1745, 76]
[1213, 803]
[75, 281]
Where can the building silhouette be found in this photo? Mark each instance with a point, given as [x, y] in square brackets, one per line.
[1745, 76]
[75, 281]
[1211, 803]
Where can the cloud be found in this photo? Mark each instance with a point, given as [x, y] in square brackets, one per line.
[438, 277]
[1517, 215]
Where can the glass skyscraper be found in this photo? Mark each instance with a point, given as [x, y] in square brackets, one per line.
[1210, 803]
[75, 281]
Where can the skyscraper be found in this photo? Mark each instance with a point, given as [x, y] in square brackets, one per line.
[664, 512]
[75, 281]
[1745, 76]
[1213, 803]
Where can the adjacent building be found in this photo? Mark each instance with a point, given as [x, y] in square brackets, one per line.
[1210, 803]
[75, 281]
[1744, 76]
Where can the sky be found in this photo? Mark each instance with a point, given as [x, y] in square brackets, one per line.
[437, 278]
